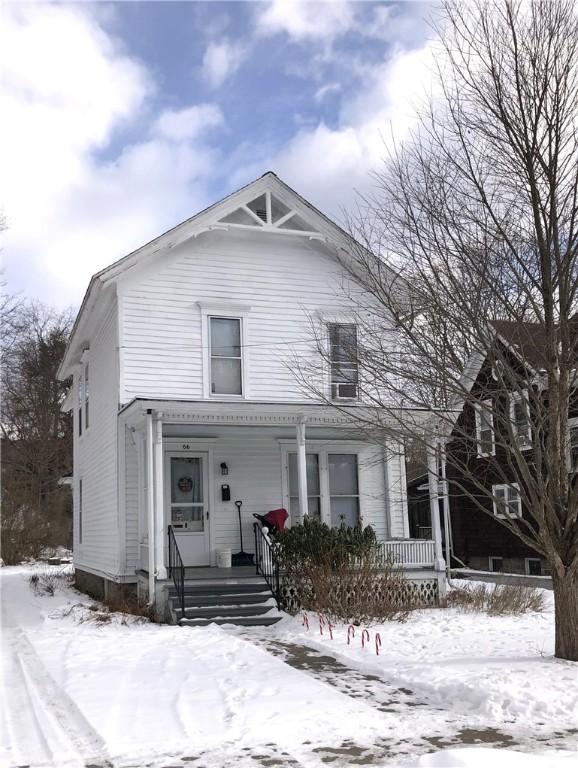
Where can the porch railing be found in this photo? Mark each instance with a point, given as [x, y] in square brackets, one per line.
[177, 569]
[266, 561]
[409, 553]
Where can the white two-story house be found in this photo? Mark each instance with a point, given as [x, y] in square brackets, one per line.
[186, 399]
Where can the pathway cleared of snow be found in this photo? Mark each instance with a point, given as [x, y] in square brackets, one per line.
[76, 693]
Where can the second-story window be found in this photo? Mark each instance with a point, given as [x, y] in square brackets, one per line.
[86, 408]
[573, 445]
[80, 397]
[343, 360]
[520, 418]
[485, 428]
[507, 501]
[226, 356]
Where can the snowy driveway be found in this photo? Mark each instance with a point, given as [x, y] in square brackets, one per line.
[75, 693]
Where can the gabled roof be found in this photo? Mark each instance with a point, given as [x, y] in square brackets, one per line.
[266, 204]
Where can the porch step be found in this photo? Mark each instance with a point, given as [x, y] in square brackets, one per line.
[202, 600]
[247, 602]
[240, 621]
[215, 611]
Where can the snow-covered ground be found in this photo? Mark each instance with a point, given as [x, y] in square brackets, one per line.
[77, 693]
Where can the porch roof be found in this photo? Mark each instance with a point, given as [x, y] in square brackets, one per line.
[256, 413]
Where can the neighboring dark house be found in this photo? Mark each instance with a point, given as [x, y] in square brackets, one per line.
[479, 540]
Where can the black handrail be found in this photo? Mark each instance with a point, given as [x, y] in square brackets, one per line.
[267, 562]
[177, 569]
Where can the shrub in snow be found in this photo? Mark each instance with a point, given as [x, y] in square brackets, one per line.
[49, 580]
[497, 599]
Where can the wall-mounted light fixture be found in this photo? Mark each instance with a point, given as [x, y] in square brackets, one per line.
[224, 469]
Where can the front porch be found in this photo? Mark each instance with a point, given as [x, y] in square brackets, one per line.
[188, 463]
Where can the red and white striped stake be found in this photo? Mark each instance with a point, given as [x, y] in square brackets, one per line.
[330, 628]
[306, 621]
[350, 633]
[377, 643]
[321, 624]
[363, 634]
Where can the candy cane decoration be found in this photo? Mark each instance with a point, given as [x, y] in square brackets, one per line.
[363, 634]
[306, 621]
[330, 628]
[377, 643]
[350, 633]
[321, 624]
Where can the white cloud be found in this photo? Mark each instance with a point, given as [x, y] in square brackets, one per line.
[221, 60]
[67, 87]
[305, 20]
[190, 123]
[328, 164]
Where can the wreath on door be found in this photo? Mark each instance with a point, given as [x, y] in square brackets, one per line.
[185, 484]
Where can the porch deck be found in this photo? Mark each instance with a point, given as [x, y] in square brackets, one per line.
[212, 573]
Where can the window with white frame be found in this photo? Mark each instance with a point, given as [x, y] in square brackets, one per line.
[332, 487]
[496, 564]
[225, 355]
[507, 501]
[485, 428]
[86, 405]
[520, 418]
[80, 511]
[79, 385]
[573, 445]
[533, 566]
[313, 486]
[343, 360]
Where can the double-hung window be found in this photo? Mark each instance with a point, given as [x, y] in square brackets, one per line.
[86, 408]
[80, 385]
[225, 352]
[485, 428]
[80, 511]
[520, 418]
[343, 354]
[507, 501]
[332, 487]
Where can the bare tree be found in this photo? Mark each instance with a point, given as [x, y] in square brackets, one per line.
[36, 435]
[475, 219]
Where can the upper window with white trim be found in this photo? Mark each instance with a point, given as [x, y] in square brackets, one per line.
[520, 418]
[507, 501]
[226, 357]
[86, 399]
[343, 361]
[485, 436]
[79, 386]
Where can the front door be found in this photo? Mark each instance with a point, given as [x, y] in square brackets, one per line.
[187, 505]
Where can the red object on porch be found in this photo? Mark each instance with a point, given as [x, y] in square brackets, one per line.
[275, 519]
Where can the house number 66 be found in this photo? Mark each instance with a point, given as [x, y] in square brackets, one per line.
[186, 447]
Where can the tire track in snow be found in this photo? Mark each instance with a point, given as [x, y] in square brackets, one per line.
[43, 722]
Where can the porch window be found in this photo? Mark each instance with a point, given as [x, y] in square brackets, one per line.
[343, 489]
[343, 360]
[313, 487]
[225, 356]
[520, 418]
[496, 564]
[533, 566]
[485, 428]
[507, 501]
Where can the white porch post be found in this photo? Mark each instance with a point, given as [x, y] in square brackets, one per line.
[434, 496]
[160, 532]
[150, 499]
[302, 469]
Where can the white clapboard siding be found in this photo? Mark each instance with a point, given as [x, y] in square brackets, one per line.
[95, 459]
[285, 282]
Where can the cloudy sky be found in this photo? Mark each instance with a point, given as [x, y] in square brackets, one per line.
[118, 120]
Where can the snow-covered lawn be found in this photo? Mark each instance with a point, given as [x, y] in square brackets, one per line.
[76, 693]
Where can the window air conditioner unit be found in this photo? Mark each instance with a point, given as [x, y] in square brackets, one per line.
[343, 391]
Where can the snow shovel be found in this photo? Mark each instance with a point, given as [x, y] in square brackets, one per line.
[242, 557]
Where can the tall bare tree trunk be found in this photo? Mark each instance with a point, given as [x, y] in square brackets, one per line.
[566, 614]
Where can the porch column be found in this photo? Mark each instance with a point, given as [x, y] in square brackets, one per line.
[434, 496]
[302, 469]
[150, 503]
[160, 527]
